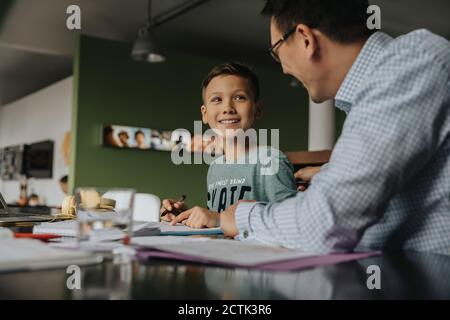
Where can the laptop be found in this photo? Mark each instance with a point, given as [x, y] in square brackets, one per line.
[15, 215]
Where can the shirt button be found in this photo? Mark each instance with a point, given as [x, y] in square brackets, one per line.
[245, 234]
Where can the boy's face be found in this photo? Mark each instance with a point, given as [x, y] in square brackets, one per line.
[229, 104]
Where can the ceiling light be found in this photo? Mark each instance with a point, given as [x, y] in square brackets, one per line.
[146, 47]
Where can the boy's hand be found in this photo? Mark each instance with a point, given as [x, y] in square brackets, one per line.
[197, 217]
[173, 208]
[306, 174]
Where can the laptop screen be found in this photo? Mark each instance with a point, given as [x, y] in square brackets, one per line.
[2, 203]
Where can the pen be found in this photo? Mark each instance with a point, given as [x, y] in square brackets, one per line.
[43, 237]
[183, 197]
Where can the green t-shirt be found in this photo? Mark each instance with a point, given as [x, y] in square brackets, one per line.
[264, 174]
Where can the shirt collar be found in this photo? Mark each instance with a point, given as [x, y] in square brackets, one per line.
[366, 59]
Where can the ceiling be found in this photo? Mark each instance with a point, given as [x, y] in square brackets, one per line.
[36, 47]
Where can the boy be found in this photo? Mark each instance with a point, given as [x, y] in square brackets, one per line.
[231, 103]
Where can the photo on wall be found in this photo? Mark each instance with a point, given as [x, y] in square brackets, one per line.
[127, 137]
[1, 163]
[11, 163]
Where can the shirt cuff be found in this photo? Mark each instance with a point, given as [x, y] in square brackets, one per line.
[242, 217]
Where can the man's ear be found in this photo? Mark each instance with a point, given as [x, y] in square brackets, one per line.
[203, 111]
[258, 110]
[308, 40]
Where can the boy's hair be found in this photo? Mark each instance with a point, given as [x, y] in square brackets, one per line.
[123, 133]
[64, 179]
[236, 69]
[344, 21]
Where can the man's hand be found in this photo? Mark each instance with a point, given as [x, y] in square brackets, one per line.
[306, 174]
[228, 221]
[197, 217]
[173, 207]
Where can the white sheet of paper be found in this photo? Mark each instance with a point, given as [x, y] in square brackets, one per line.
[29, 254]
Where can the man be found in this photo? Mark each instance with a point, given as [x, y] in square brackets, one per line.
[387, 184]
[63, 183]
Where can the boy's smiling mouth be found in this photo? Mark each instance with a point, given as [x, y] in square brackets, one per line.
[229, 121]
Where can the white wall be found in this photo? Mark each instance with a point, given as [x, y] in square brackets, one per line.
[322, 126]
[44, 115]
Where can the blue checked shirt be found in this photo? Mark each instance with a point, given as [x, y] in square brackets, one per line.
[387, 184]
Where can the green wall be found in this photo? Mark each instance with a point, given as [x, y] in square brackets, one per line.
[110, 88]
[5, 7]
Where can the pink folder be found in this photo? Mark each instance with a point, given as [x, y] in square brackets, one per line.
[145, 254]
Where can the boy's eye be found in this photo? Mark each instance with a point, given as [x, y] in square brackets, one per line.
[216, 99]
[240, 97]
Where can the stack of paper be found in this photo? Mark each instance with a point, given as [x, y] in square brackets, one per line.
[140, 229]
[28, 254]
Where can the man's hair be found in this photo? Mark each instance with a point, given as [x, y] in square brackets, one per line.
[344, 21]
[236, 69]
[107, 130]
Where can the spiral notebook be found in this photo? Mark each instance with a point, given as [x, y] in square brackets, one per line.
[63, 228]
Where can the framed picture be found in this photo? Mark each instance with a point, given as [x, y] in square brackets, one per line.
[11, 163]
[126, 137]
[1, 163]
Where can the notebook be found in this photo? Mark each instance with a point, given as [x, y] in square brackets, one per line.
[182, 230]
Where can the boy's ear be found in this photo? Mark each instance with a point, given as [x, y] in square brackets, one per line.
[203, 111]
[259, 110]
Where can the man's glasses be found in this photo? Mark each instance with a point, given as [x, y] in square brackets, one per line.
[278, 43]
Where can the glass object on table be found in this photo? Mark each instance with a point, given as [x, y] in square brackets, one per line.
[108, 281]
[104, 215]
